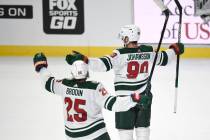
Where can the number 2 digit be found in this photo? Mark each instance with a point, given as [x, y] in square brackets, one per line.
[70, 103]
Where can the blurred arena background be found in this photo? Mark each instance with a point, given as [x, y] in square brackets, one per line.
[93, 26]
[56, 27]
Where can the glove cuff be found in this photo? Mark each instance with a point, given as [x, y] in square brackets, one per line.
[136, 97]
[39, 65]
[175, 48]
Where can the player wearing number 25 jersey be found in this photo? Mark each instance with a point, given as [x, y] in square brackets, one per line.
[83, 100]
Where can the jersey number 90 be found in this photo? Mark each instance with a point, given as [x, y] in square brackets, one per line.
[80, 115]
[134, 68]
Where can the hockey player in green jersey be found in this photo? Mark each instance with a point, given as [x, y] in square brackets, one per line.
[131, 65]
[83, 99]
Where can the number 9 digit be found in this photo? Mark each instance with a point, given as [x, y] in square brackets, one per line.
[132, 69]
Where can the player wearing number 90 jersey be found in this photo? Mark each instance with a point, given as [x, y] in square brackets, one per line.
[131, 65]
[83, 100]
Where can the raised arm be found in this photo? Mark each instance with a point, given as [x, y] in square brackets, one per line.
[167, 56]
[48, 81]
[40, 64]
[101, 64]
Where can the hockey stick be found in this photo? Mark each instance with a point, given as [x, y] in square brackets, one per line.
[178, 57]
[159, 44]
[160, 4]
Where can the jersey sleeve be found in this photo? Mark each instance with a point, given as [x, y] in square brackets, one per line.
[165, 57]
[104, 63]
[113, 103]
[50, 83]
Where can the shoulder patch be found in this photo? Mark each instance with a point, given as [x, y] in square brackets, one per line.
[113, 54]
[103, 91]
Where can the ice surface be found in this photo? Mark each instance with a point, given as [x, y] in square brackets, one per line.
[27, 111]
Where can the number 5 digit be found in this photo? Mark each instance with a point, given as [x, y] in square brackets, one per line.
[83, 116]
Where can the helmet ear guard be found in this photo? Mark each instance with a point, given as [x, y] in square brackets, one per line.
[125, 40]
[129, 33]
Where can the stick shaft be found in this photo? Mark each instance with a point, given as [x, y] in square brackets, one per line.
[175, 100]
[178, 57]
[158, 48]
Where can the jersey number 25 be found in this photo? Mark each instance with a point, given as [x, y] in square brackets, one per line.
[80, 115]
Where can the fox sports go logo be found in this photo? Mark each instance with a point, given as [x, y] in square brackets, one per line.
[64, 14]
